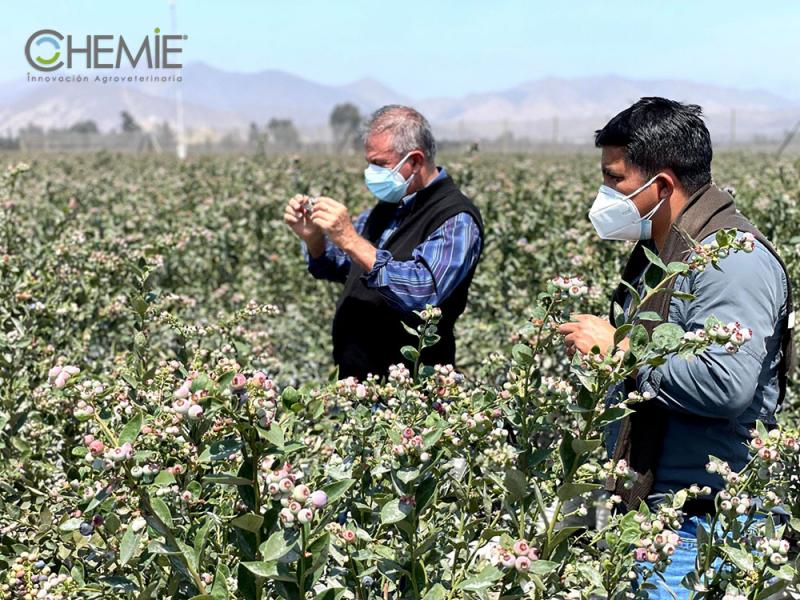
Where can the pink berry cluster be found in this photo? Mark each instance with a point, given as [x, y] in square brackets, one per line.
[351, 388]
[298, 502]
[30, 577]
[345, 535]
[711, 253]
[410, 445]
[186, 403]
[83, 411]
[622, 471]
[399, 375]
[60, 375]
[102, 457]
[262, 397]
[658, 539]
[574, 286]
[775, 549]
[731, 335]
[519, 556]
[431, 314]
[662, 545]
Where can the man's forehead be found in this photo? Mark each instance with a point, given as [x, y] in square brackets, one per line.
[613, 155]
[379, 145]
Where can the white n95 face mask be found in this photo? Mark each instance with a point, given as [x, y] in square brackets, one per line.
[615, 216]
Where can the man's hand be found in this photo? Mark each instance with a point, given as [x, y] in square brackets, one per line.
[586, 331]
[334, 221]
[299, 220]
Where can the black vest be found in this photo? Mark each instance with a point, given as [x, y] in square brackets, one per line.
[368, 332]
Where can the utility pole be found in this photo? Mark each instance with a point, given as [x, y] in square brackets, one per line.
[180, 139]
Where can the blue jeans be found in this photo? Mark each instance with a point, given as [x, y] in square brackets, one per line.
[683, 560]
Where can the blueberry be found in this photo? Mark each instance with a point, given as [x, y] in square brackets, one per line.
[39, 564]
[86, 529]
[367, 581]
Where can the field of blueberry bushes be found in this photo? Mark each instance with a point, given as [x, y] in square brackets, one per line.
[171, 425]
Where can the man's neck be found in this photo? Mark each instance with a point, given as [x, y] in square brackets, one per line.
[427, 174]
[663, 223]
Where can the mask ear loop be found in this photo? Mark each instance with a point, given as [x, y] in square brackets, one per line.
[655, 209]
[400, 164]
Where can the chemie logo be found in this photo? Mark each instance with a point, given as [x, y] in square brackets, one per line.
[49, 50]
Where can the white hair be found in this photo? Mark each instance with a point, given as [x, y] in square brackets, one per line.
[409, 129]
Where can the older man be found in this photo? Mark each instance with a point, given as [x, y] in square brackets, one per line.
[419, 245]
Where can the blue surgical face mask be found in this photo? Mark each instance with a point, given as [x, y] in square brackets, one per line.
[387, 185]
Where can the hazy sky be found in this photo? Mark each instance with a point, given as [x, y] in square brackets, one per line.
[451, 47]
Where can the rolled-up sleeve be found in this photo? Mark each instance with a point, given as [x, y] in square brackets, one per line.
[437, 266]
[749, 288]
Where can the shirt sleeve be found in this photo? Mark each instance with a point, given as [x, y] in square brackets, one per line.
[437, 266]
[749, 288]
[333, 264]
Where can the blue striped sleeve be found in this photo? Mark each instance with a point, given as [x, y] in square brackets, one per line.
[438, 265]
[333, 264]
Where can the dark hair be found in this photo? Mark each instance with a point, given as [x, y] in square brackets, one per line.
[662, 134]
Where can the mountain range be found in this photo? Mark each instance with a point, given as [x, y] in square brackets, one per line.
[217, 102]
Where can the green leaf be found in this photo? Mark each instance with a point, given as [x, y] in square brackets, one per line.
[337, 489]
[437, 592]
[248, 522]
[128, 545]
[275, 436]
[679, 499]
[522, 354]
[409, 353]
[161, 510]
[220, 450]
[278, 545]
[648, 315]
[425, 494]
[621, 332]
[569, 491]
[260, 568]
[226, 479]
[639, 340]
[516, 485]
[677, 267]
[220, 591]
[70, 525]
[199, 383]
[566, 452]
[410, 330]
[407, 474]
[739, 557]
[543, 567]
[482, 580]
[585, 446]
[654, 259]
[131, 430]
[668, 336]
[394, 511]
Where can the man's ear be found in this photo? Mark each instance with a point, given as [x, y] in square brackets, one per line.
[666, 185]
[417, 160]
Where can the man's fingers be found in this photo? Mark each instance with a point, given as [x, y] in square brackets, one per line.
[580, 317]
[297, 201]
[566, 328]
